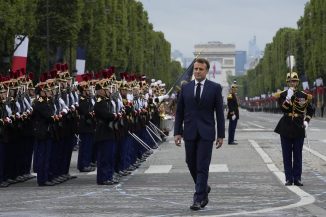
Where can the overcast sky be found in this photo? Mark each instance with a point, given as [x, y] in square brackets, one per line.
[189, 22]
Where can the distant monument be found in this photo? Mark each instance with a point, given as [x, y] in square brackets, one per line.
[222, 60]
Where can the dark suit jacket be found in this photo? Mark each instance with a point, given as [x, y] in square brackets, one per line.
[199, 117]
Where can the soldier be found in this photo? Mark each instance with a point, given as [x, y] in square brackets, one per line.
[104, 135]
[233, 113]
[3, 122]
[297, 112]
[43, 117]
[86, 126]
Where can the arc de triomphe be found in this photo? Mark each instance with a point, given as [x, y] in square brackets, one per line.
[222, 62]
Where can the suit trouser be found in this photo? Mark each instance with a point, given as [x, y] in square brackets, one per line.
[198, 159]
[28, 153]
[43, 156]
[69, 143]
[292, 169]
[85, 150]
[1, 162]
[105, 160]
[232, 127]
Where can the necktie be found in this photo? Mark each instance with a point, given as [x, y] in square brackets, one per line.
[198, 92]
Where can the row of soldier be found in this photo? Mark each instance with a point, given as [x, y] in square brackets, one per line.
[115, 123]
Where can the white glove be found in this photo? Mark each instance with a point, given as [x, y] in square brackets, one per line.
[166, 96]
[290, 93]
[64, 111]
[233, 117]
[305, 124]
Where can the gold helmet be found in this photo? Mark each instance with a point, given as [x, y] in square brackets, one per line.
[292, 76]
[234, 86]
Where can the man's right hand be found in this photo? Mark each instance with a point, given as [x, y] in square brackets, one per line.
[177, 140]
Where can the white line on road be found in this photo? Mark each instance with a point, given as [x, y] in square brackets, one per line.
[92, 173]
[244, 124]
[257, 125]
[315, 129]
[305, 198]
[216, 168]
[324, 140]
[316, 153]
[254, 129]
[159, 169]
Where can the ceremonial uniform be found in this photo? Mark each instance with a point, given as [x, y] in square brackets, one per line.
[42, 119]
[86, 129]
[104, 140]
[233, 114]
[297, 112]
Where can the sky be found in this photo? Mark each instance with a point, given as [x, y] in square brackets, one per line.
[189, 22]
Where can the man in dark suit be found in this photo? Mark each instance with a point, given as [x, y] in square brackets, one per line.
[198, 101]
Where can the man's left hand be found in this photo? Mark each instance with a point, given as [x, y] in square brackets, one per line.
[219, 142]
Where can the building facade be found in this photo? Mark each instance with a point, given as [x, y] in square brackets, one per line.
[240, 62]
[222, 59]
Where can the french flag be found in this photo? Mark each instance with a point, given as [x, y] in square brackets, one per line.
[19, 59]
[80, 63]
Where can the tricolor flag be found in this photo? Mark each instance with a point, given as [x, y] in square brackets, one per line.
[19, 59]
[80, 63]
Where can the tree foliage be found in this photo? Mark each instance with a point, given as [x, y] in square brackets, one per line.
[307, 43]
[113, 33]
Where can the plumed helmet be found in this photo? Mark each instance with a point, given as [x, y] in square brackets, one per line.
[292, 76]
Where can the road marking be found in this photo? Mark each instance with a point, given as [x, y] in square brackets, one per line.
[159, 169]
[93, 172]
[254, 129]
[315, 129]
[324, 140]
[257, 125]
[243, 124]
[217, 168]
[305, 198]
[316, 153]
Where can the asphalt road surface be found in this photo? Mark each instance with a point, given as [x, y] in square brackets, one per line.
[246, 179]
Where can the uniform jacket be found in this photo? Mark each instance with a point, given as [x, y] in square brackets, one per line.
[86, 122]
[42, 118]
[295, 112]
[233, 107]
[103, 116]
[199, 117]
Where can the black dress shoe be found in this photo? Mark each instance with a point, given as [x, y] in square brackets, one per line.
[87, 169]
[71, 176]
[11, 181]
[4, 184]
[298, 183]
[48, 183]
[195, 206]
[108, 182]
[288, 183]
[233, 143]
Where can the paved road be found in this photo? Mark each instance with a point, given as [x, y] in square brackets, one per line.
[246, 180]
